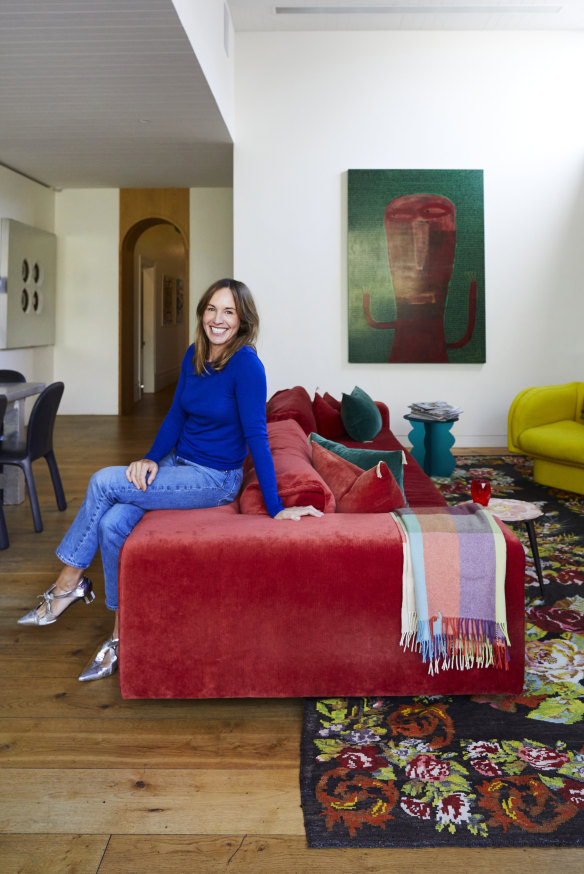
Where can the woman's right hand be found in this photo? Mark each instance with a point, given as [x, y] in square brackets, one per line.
[295, 513]
[142, 473]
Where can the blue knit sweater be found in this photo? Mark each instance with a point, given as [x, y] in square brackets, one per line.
[215, 417]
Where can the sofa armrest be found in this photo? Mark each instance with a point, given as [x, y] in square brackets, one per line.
[542, 405]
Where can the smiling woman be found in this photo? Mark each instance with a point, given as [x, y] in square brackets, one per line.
[217, 415]
[227, 320]
[220, 321]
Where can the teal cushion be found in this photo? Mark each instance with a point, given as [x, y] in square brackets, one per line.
[361, 418]
[367, 458]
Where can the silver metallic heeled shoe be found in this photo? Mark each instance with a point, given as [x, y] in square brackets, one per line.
[97, 670]
[83, 589]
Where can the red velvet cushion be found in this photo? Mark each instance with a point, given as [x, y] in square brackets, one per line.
[299, 484]
[292, 403]
[331, 401]
[328, 418]
[356, 490]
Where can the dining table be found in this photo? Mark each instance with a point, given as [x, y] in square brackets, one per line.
[12, 478]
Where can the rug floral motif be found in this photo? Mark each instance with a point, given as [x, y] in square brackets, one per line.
[494, 770]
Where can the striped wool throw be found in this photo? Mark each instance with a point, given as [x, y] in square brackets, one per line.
[453, 601]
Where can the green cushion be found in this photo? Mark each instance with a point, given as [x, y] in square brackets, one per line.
[367, 458]
[361, 418]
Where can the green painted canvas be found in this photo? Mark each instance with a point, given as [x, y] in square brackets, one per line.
[416, 266]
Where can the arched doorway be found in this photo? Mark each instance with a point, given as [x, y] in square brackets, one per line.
[151, 213]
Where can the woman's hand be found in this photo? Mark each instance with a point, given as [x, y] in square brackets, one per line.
[142, 473]
[296, 512]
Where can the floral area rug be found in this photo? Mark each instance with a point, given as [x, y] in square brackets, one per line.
[486, 771]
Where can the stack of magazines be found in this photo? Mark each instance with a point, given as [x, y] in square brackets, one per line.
[435, 411]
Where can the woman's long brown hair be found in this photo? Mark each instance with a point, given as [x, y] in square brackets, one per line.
[248, 327]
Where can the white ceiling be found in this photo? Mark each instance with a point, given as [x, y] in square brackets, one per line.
[407, 14]
[108, 93]
[98, 93]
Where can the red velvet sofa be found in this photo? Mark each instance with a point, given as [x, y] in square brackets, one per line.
[228, 603]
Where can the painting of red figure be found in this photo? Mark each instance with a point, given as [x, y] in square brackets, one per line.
[416, 266]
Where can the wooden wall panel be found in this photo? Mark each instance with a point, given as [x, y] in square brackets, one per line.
[140, 209]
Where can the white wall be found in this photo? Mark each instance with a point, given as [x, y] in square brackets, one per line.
[34, 205]
[205, 23]
[85, 354]
[211, 245]
[86, 222]
[87, 228]
[310, 106]
[86, 350]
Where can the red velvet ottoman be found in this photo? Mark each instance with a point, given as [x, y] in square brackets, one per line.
[215, 603]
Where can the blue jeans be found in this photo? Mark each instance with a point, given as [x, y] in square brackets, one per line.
[113, 507]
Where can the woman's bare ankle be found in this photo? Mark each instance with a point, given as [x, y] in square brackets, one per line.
[68, 579]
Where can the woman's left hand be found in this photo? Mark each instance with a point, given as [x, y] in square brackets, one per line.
[295, 513]
[142, 473]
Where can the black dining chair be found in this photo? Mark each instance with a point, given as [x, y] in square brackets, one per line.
[12, 376]
[4, 542]
[38, 444]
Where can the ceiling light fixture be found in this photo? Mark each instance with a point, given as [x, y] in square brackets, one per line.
[484, 9]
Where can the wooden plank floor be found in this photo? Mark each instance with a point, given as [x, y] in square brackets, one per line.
[92, 783]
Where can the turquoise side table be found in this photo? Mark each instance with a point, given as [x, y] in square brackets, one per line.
[431, 444]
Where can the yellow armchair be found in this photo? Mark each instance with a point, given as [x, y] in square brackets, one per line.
[546, 424]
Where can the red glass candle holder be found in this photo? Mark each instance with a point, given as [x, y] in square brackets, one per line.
[480, 490]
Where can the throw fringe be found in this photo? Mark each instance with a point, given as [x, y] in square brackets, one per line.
[461, 644]
[453, 642]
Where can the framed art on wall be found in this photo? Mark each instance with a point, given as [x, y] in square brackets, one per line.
[167, 300]
[416, 266]
[180, 301]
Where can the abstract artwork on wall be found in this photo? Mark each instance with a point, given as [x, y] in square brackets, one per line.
[416, 266]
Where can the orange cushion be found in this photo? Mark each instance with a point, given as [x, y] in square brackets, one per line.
[299, 484]
[358, 491]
